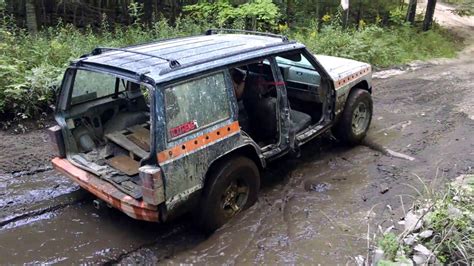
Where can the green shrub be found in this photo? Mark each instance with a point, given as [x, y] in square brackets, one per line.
[254, 15]
[31, 66]
[381, 47]
[389, 244]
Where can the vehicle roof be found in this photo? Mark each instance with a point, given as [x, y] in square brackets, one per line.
[194, 54]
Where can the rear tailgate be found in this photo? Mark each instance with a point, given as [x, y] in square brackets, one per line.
[136, 209]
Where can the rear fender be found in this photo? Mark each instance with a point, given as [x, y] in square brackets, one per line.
[248, 148]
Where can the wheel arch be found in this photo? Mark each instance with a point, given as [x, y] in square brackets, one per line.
[363, 84]
[246, 150]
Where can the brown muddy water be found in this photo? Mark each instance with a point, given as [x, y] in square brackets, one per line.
[47, 219]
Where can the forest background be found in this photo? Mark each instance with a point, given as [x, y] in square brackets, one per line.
[38, 38]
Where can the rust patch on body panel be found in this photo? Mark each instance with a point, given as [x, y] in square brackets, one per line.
[107, 192]
[198, 142]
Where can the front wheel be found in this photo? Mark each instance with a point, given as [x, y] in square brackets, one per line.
[356, 117]
[233, 186]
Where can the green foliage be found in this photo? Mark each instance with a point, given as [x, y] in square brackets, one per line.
[389, 244]
[449, 214]
[380, 46]
[452, 218]
[367, 10]
[255, 15]
[397, 16]
[135, 10]
[31, 66]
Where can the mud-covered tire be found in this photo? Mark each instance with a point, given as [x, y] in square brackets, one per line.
[239, 171]
[350, 129]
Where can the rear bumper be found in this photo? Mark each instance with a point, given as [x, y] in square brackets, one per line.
[107, 192]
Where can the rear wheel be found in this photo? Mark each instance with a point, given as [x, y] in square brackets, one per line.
[232, 187]
[356, 117]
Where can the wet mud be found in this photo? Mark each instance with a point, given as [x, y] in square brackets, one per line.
[323, 207]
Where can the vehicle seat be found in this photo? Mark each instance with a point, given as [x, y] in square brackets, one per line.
[299, 120]
[124, 120]
[261, 110]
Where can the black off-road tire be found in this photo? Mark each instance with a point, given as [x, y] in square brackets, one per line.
[241, 170]
[344, 130]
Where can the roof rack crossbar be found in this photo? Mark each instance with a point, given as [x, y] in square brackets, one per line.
[215, 31]
[99, 50]
[222, 56]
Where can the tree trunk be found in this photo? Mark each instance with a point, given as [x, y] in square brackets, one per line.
[290, 12]
[411, 12]
[148, 6]
[430, 9]
[31, 22]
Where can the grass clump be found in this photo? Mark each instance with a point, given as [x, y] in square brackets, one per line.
[452, 220]
[389, 244]
[447, 232]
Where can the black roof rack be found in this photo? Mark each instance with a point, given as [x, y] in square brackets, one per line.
[99, 50]
[215, 31]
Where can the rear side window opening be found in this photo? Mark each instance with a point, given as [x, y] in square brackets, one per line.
[195, 104]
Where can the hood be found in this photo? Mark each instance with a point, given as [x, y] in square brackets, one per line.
[339, 67]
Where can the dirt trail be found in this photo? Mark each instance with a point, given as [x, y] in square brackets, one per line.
[462, 26]
[315, 209]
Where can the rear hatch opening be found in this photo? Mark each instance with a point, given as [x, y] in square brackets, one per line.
[108, 128]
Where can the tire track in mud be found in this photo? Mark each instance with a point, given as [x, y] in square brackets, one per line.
[127, 257]
[48, 206]
[30, 193]
[31, 172]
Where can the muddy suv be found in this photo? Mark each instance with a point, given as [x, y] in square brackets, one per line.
[189, 123]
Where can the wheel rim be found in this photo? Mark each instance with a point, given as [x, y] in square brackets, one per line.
[234, 197]
[360, 118]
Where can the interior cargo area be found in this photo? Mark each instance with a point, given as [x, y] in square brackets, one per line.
[109, 124]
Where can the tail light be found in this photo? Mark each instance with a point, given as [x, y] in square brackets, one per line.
[56, 138]
[152, 184]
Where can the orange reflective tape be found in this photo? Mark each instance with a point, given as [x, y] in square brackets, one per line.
[343, 81]
[198, 142]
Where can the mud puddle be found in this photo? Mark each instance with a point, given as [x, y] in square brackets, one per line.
[301, 216]
[79, 233]
[19, 192]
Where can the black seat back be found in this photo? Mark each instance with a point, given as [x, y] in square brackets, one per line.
[261, 110]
